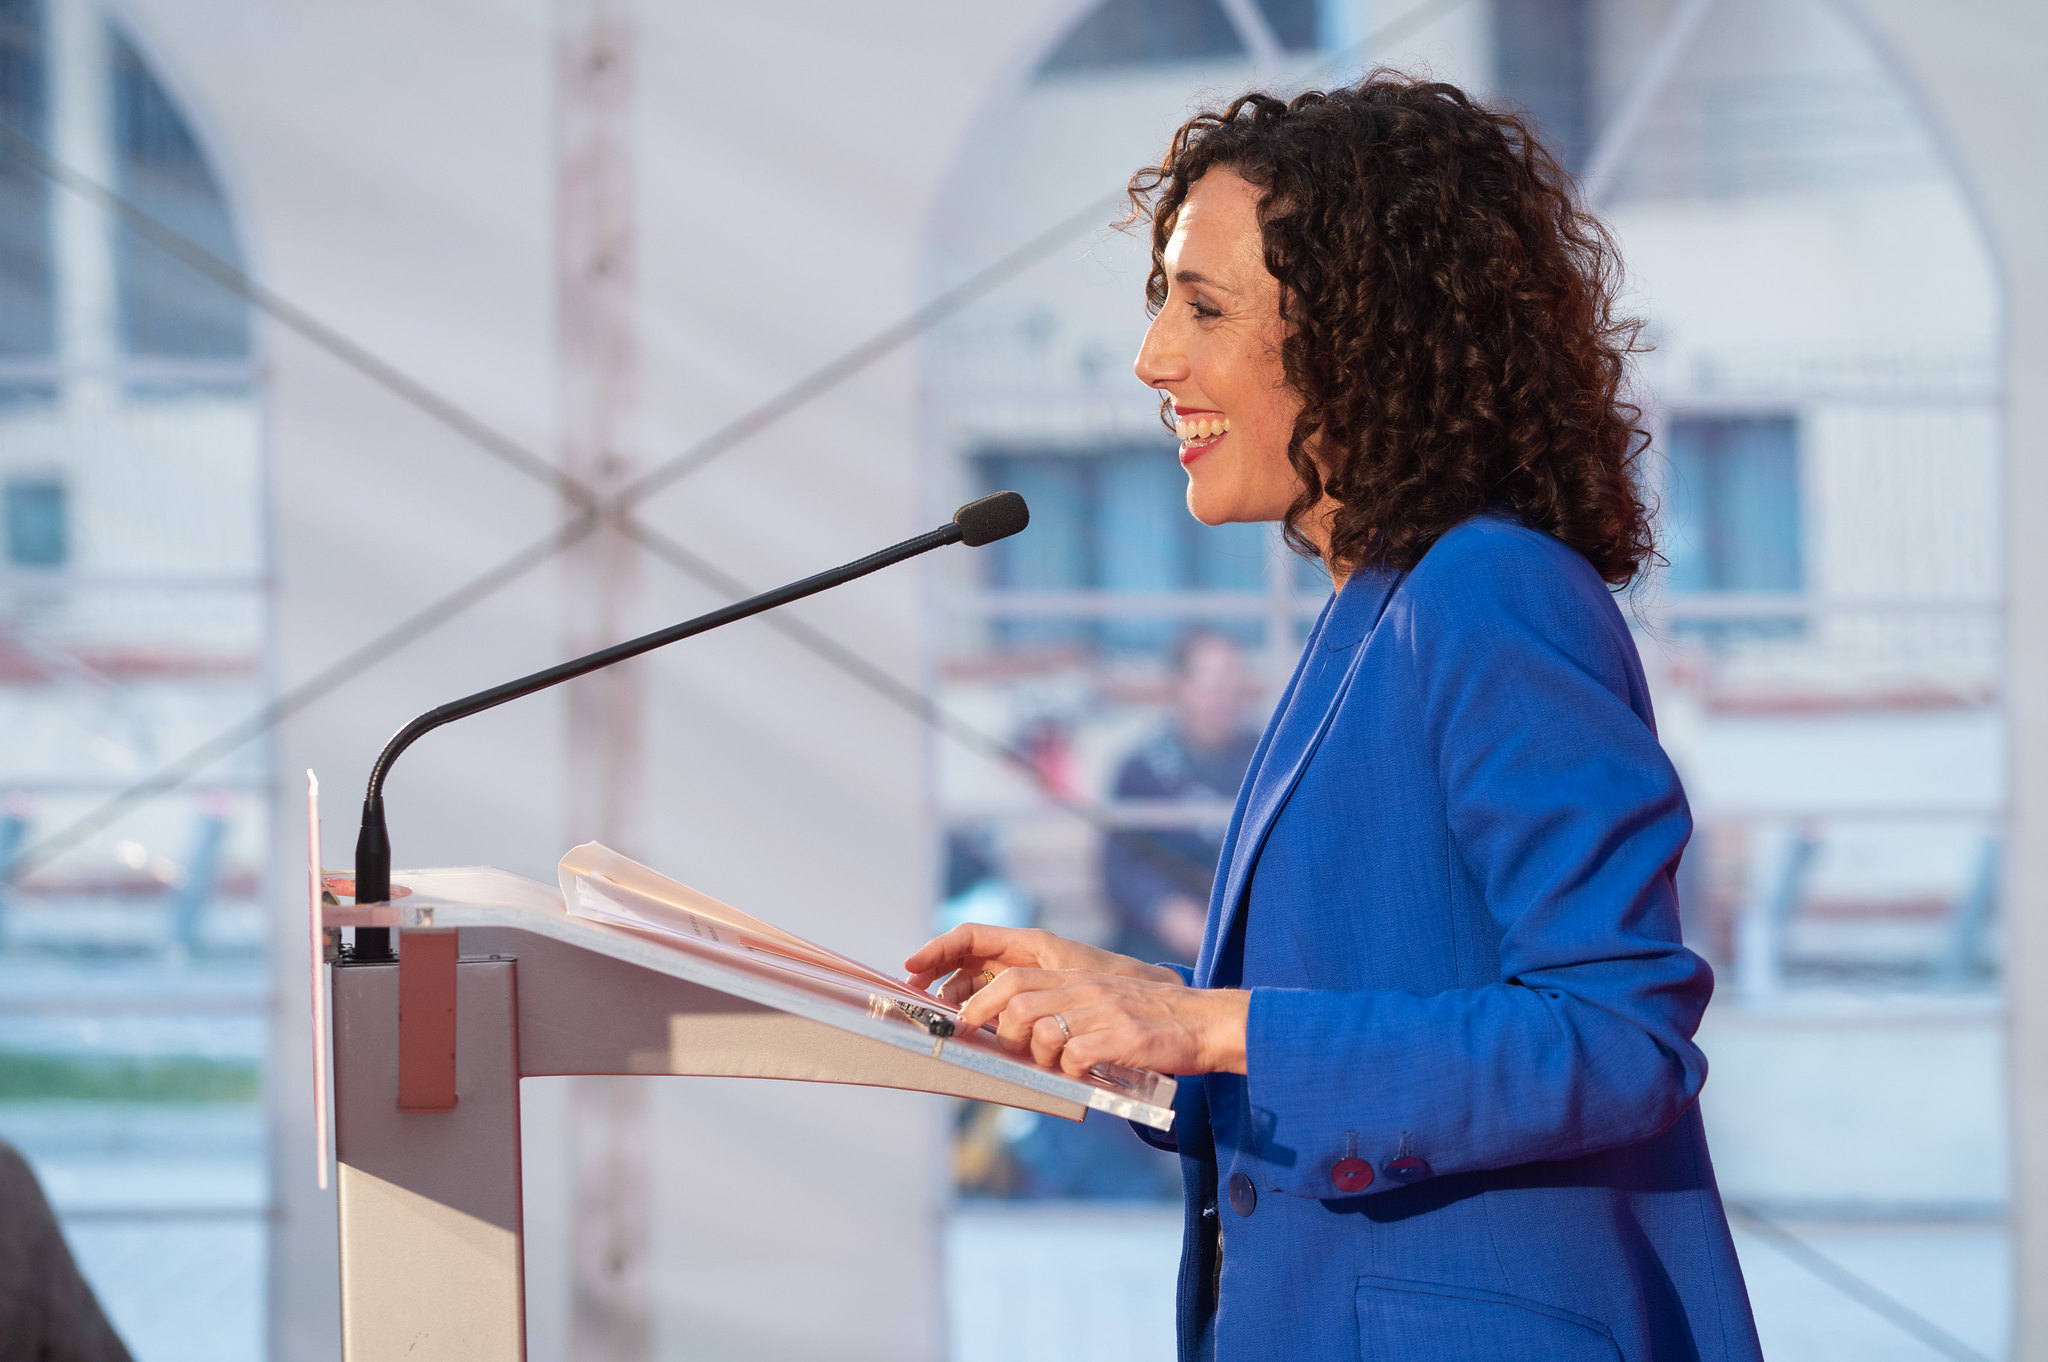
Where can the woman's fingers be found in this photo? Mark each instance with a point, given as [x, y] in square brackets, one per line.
[969, 979]
[1029, 1023]
[1087, 1049]
[973, 947]
[994, 999]
[980, 945]
[1044, 1013]
[1048, 1038]
[940, 956]
[960, 986]
[1095, 1027]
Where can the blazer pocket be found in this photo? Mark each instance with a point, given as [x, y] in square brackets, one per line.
[1400, 1321]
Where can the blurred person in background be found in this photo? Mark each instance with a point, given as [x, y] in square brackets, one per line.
[976, 888]
[1438, 1093]
[47, 1312]
[1157, 880]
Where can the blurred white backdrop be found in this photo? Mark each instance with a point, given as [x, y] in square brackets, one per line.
[476, 261]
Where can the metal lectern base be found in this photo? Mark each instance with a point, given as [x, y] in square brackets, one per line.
[430, 1237]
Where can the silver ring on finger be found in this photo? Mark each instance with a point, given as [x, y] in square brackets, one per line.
[1061, 1022]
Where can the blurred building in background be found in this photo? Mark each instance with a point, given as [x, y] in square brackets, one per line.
[133, 623]
[251, 528]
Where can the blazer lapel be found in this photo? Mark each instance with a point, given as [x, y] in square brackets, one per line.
[1226, 855]
[1299, 722]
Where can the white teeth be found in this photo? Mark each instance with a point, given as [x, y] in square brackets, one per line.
[1201, 428]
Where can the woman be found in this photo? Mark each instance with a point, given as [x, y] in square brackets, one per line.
[1441, 1078]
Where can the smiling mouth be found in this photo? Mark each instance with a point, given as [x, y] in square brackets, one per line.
[1199, 430]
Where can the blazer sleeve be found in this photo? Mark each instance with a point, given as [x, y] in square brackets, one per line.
[1570, 819]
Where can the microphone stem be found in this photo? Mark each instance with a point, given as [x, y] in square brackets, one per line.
[373, 844]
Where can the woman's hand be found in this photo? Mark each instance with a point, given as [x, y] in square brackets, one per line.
[1115, 1010]
[1076, 1018]
[975, 955]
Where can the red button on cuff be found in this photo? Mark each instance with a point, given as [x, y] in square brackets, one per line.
[1351, 1175]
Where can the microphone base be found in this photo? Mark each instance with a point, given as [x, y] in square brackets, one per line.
[373, 945]
[373, 880]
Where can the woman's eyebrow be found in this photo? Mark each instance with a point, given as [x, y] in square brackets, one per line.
[1197, 277]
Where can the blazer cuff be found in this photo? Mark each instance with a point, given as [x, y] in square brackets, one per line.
[1314, 1142]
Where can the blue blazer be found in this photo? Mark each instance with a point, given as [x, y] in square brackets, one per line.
[1468, 1130]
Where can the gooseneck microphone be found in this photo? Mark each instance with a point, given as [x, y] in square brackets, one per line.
[977, 523]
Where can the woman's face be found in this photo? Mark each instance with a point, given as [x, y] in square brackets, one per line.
[1214, 349]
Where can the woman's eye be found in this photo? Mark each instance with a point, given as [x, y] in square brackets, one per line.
[1202, 309]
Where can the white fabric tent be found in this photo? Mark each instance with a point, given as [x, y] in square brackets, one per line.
[392, 170]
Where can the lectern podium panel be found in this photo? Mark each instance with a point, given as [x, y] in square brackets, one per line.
[431, 1250]
[495, 982]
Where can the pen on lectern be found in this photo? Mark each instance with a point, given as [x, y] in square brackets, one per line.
[931, 1019]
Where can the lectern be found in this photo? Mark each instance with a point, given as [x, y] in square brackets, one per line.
[497, 981]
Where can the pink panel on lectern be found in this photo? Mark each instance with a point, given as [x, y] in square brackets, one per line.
[426, 1021]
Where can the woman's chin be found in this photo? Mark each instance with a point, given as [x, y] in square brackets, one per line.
[1214, 506]
[1206, 509]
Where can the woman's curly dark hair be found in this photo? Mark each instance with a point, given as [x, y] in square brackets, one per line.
[1451, 318]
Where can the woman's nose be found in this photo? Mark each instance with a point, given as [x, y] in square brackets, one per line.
[1161, 360]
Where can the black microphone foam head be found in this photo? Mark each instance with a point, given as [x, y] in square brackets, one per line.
[996, 516]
